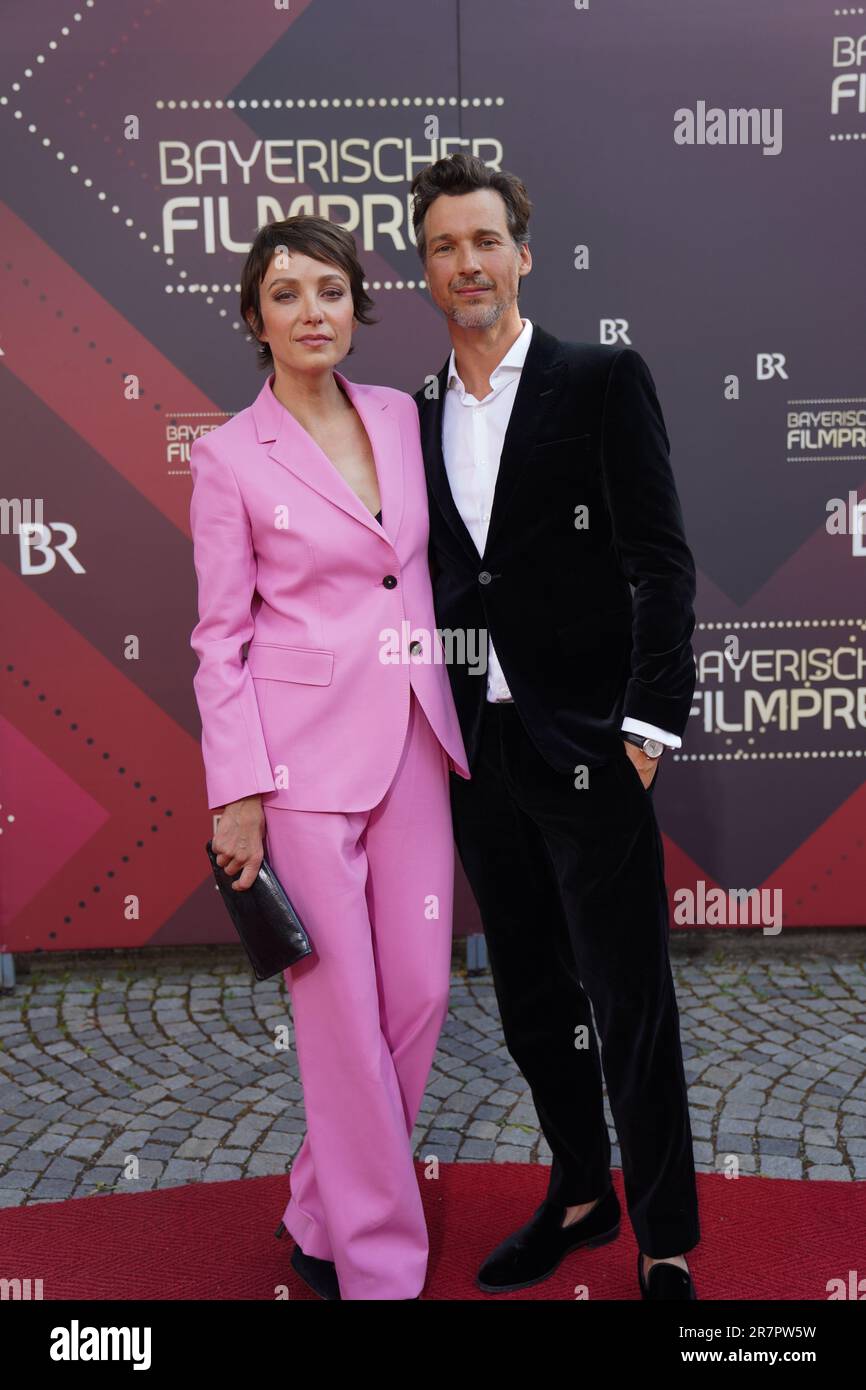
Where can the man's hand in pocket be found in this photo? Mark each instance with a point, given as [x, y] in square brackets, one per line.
[646, 767]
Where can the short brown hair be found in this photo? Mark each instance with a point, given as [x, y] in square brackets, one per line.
[312, 236]
[464, 173]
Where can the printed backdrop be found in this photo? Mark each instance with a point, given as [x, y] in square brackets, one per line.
[696, 171]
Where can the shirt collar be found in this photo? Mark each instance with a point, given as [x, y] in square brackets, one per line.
[512, 362]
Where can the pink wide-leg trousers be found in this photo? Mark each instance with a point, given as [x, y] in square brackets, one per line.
[374, 889]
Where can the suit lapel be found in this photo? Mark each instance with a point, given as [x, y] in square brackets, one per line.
[294, 448]
[434, 462]
[540, 379]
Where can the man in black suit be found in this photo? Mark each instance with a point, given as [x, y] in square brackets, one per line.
[556, 532]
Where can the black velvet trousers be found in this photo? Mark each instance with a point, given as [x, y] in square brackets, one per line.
[570, 886]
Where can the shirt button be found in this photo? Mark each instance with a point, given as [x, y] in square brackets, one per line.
[414, 648]
[389, 581]
[485, 577]
[485, 516]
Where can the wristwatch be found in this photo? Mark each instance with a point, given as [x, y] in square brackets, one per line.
[650, 746]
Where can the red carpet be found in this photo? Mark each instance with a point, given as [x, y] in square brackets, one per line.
[761, 1238]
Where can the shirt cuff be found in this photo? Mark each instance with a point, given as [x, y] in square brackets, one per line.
[637, 726]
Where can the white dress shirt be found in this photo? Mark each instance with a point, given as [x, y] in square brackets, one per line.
[473, 433]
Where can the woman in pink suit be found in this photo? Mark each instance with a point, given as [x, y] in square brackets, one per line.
[334, 738]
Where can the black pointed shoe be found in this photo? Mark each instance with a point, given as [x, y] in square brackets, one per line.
[665, 1281]
[534, 1251]
[318, 1275]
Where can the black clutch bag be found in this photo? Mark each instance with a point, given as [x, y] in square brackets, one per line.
[270, 929]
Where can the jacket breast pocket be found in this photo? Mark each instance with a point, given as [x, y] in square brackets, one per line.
[308, 665]
[573, 442]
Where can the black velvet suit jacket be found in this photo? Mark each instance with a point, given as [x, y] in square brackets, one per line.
[591, 623]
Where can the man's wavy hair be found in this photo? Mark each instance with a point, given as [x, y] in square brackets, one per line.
[312, 236]
[464, 173]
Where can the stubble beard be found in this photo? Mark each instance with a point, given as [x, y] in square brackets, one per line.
[479, 315]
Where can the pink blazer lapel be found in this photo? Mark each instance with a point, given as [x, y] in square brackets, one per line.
[295, 449]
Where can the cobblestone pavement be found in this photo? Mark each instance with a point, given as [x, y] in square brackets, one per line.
[171, 1060]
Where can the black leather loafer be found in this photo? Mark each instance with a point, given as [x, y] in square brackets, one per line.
[665, 1281]
[533, 1252]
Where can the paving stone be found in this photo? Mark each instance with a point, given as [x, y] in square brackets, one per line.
[515, 1136]
[450, 1119]
[731, 1142]
[156, 1153]
[740, 1109]
[483, 1129]
[62, 1168]
[266, 1164]
[821, 1136]
[211, 1129]
[222, 1172]
[444, 1086]
[289, 1124]
[817, 1154]
[783, 1110]
[280, 1143]
[446, 1153]
[196, 1148]
[816, 1116]
[32, 1161]
[523, 1114]
[186, 1169]
[511, 1153]
[467, 1072]
[448, 1138]
[476, 1149]
[18, 1178]
[490, 1112]
[503, 1097]
[704, 1095]
[734, 1125]
[790, 1148]
[780, 1129]
[463, 1102]
[49, 1143]
[777, 1166]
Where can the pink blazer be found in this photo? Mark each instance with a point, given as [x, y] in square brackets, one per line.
[291, 562]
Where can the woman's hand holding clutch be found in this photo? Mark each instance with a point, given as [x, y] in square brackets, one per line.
[237, 841]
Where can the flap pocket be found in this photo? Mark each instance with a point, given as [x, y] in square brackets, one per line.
[310, 665]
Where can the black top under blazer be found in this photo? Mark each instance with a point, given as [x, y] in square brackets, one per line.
[590, 623]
